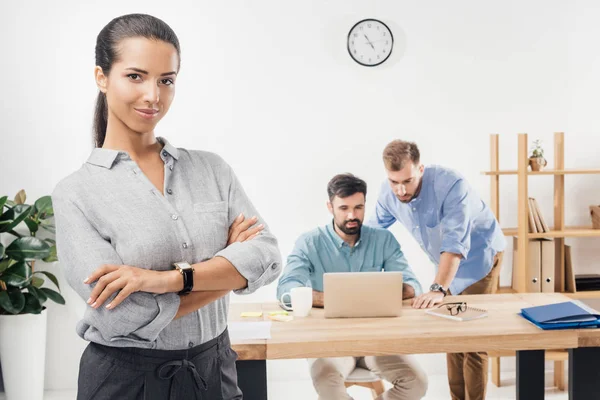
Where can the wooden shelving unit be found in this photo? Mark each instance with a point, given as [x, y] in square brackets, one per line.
[559, 232]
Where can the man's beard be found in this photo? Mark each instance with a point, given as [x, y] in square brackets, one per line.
[350, 231]
[406, 199]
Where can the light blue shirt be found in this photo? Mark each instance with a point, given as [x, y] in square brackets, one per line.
[446, 216]
[323, 250]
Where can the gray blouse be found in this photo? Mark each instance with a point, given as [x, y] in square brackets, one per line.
[108, 212]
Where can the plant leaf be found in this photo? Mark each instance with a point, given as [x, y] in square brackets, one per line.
[20, 197]
[53, 295]
[2, 202]
[32, 305]
[43, 205]
[50, 276]
[28, 248]
[41, 296]
[32, 225]
[52, 257]
[50, 241]
[37, 282]
[1, 251]
[6, 303]
[17, 275]
[17, 214]
[4, 264]
[17, 299]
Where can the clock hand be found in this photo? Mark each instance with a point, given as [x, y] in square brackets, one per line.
[373, 47]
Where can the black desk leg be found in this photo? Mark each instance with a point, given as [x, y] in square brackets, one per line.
[530, 375]
[584, 374]
[252, 378]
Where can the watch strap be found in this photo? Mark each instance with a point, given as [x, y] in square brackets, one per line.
[187, 272]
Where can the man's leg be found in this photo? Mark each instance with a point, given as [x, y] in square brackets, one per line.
[409, 380]
[328, 376]
[456, 377]
[475, 367]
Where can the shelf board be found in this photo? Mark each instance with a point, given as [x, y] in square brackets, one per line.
[565, 172]
[588, 294]
[572, 231]
[546, 172]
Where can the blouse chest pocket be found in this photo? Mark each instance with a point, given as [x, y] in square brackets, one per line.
[213, 226]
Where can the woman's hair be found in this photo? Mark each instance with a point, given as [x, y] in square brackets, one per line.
[124, 27]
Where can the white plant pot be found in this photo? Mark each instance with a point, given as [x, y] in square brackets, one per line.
[23, 355]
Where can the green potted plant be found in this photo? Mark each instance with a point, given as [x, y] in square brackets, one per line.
[537, 162]
[26, 236]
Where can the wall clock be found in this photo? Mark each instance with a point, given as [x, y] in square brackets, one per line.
[370, 42]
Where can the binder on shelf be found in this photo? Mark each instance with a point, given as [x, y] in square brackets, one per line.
[534, 264]
[536, 217]
[548, 265]
[541, 265]
[545, 227]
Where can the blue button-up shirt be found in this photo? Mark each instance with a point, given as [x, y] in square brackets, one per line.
[323, 250]
[446, 216]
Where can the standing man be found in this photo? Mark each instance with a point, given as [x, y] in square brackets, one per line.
[458, 232]
[345, 245]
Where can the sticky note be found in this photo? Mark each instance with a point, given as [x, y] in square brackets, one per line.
[251, 314]
[282, 312]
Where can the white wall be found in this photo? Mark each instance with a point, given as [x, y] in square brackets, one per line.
[269, 86]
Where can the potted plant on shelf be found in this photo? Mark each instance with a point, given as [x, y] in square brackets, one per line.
[537, 162]
[26, 236]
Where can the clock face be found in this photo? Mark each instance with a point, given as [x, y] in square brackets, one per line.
[370, 42]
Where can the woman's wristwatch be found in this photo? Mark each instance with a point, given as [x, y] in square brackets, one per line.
[187, 272]
[436, 287]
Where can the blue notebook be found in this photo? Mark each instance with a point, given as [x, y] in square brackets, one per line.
[567, 315]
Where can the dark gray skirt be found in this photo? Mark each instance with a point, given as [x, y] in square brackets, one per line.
[204, 372]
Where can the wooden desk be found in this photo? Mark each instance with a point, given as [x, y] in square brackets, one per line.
[413, 333]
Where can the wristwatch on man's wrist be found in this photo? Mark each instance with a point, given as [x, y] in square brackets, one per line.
[187, 272]
[436, 287]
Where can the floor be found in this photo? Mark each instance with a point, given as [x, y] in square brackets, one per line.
[303, 390]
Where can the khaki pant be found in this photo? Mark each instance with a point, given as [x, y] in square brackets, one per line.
[468, 372]
[329, 374]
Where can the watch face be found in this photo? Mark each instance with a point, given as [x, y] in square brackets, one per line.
[184, 265]
[435, 287]
[370, 42]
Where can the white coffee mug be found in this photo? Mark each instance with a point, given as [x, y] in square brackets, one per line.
[301, 299]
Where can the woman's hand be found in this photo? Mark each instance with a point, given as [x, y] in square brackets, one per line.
[123, 278]
[241, 231]
[127, 279]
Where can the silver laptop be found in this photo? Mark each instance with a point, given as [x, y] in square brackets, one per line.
[362, 294]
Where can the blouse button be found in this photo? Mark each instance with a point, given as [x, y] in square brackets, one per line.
[169, 191]
[174, 216]
[185, 246]
[165, 153]
[191, 344]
